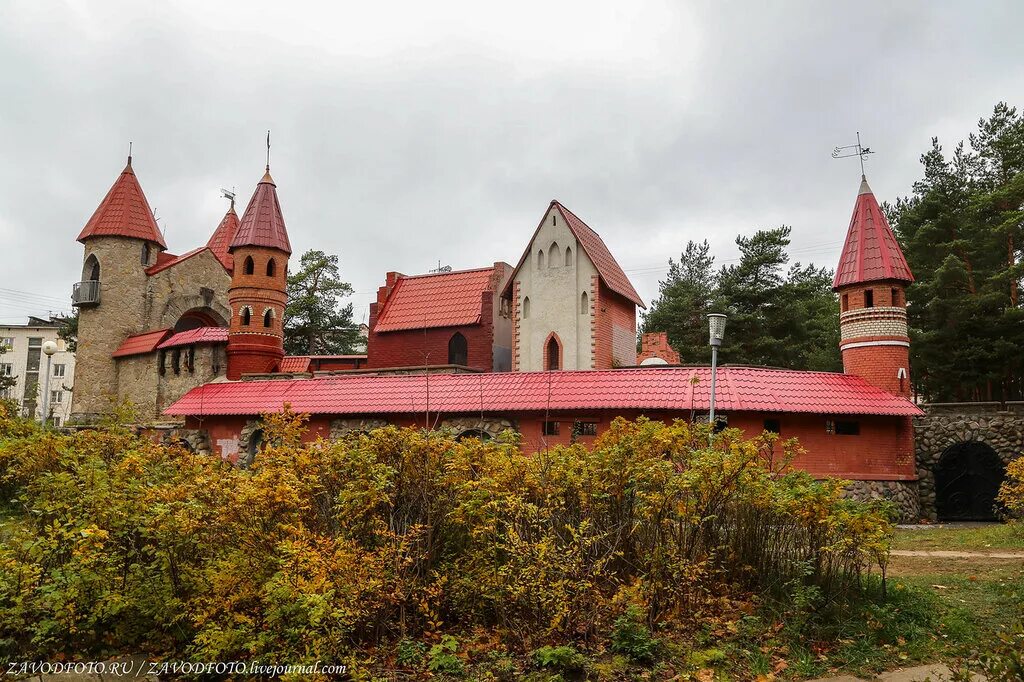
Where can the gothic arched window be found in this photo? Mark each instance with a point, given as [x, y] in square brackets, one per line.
[246, 315]
[540, 259]
[568, 256]
[526, 307]
[268, 317]
[458, 350]
[584, 304]
[271, 267]
[554, 354]
[250, 267]
[553, 254]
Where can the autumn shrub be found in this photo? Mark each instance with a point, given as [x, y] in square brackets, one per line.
[400, 541]
[1011, 492]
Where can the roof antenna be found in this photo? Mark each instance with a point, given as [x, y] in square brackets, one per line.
[841, 153]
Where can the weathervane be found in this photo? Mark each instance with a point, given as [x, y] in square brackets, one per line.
[229, 195]
[841, 153]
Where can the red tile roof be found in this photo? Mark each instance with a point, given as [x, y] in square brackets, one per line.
[739, 389]
[221, 238]
[445, 299]
[197, 336]
[263, 223]
[166, 260]
[607, 267]
[140, 344]
[294, 363]
[871, 252]
[124, 212]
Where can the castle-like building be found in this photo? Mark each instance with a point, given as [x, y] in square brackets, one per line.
[547, 348]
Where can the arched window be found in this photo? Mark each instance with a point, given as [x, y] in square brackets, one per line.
[145, 253]
[271, 267]
[268, 317]
[246, 315]
[540, 259]
[553, 254]
[526, 307]
[250, 267]
[568, 256]
[91, 271]
[554, 353]
[458, 350]
[584, 304]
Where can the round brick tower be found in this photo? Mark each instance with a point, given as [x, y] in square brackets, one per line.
[871, 280]
[257, 296]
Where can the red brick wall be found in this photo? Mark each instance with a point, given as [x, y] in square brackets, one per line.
[883, 450]
[614, 326]
[255, 348]
[886, 327]
[655, 345]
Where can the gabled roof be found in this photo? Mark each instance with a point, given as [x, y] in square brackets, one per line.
[166, 260]
[124, 212]
[595, 248]
[871, 252]
[221, 239]
[197, 336]
[140, 344]
[681, 389]
[444, 299]
[262, 223]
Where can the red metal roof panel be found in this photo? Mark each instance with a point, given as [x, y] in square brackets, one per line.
[140, 344]
[294, 363]
[444, 299]
[871, 252]
[665, 388]
[262, 223]
[124, 212]
[196, 336]
[162, 263]
[221, 239]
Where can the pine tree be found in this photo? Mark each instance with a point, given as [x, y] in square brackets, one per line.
[316, 322]
[683, 303]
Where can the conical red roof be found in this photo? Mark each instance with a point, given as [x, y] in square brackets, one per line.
[871, 252]
[262, 223]
[220, 240]
[124, 212]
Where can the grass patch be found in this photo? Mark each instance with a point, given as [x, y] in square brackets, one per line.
[989, 537]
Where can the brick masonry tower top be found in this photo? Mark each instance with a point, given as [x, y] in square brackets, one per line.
[871, 279]
[260, 250]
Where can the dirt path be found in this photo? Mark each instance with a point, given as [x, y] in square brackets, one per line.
[951, 554]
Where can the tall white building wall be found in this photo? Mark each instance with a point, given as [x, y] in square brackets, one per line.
[555, 290]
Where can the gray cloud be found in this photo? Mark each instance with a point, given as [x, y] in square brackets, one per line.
[407, 134]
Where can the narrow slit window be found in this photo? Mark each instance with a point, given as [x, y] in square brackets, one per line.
[869, 298]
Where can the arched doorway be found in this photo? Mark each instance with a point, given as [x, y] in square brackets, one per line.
[967, 480]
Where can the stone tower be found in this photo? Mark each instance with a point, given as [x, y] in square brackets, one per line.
[260, 251]
[121, 240]
[871, 280]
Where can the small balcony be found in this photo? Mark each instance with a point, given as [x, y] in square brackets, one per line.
[85, 294]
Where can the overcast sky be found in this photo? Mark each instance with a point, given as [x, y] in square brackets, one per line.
[405, 134]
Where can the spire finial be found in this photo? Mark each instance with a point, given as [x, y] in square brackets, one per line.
[268, 151]
[129, 153]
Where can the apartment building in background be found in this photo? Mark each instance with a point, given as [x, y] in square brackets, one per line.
[23, 360]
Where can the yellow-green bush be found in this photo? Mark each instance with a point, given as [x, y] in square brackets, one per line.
[1011, 492]
[329, 550]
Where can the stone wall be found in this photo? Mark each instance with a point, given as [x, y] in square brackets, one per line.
[946, 424]
[903, 494]
[491, 427]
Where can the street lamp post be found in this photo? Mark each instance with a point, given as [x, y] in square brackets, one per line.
[716, 325]
[49, 348]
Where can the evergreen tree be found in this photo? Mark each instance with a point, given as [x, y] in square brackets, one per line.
[316, 322]
[962, 234]
[683, 304]
[777, 316]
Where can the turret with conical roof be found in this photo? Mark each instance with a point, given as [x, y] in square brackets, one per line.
[260, 250]
[121, 240]
[220, 240]
[871, 281]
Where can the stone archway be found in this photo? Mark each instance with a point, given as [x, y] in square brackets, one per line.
[967, 480]
[199, 306]
[249, 441]
[999, 428]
